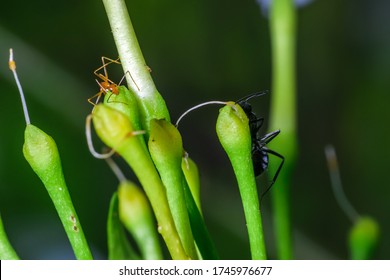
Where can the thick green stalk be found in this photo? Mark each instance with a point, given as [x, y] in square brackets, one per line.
[151, 103]
[283, 117]
[234, 135]
[166, 149]
[7, 252]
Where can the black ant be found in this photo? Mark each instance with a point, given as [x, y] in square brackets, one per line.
[259, 150]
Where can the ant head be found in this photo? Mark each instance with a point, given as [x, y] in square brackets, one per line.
[105, 85]
[246, 106]
[108, 86]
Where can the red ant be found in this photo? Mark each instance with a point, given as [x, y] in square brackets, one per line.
[106, 85]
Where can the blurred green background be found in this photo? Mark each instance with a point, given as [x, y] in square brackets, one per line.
[199, 51]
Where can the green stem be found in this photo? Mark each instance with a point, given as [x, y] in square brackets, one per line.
[166, 149]
[151, 104]
[248, 190]
[7, 252]
[283, 116]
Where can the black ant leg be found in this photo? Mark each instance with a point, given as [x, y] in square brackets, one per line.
[268, 138]
[268, 151]
[254, 125]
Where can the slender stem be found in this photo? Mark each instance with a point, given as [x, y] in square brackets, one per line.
[283, 116]
[138, 77]
[250, 201]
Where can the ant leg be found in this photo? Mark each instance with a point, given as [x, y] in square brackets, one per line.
[128, 72]
[98, 95]
[277, 171]
[257, 124]
[104, 63]
[105, 76]
[110, 60]
[252, 95]
[269, 137]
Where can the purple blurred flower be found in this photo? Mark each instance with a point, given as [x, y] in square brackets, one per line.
[264, 4]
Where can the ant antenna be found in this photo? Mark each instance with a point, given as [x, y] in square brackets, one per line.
[252, 95]
[131, 76]
[89, 141]
[337, 186]
[198, 106]
[12, 67]
[115, 168]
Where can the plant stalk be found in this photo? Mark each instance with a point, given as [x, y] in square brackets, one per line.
[151, 103]
[283, 116]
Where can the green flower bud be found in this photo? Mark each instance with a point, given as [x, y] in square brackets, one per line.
[41, 152]
[165, 143]
[234, 135]
[191, 174]
[119, 247]
[233, 130]
[166, 149]
[126, 103]
[112, 126]
[137, 216]
[363, 238]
